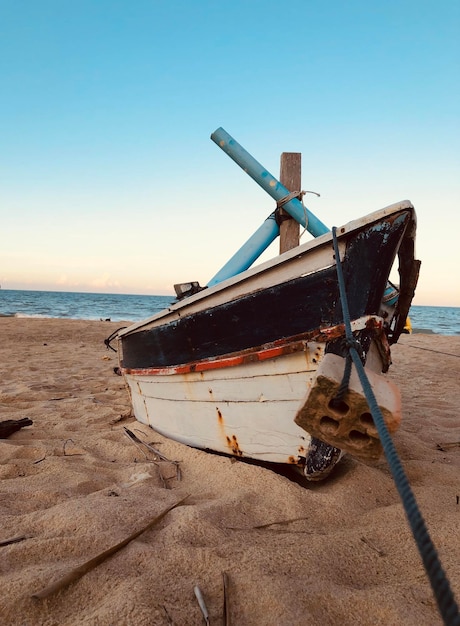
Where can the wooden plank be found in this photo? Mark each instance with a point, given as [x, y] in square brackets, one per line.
[290, 177]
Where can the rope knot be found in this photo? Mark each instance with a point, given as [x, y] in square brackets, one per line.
[290, 196]
[351, 342]
[281, 217]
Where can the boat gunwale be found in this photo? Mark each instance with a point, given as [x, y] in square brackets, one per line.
[281, 347]
[301, 250]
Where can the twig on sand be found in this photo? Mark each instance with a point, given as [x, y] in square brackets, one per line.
[71, 453]
[448, 445]
[167, 615]
[123, 416]
[157, 453]
[135, 442]
[39, 460]
[374, 547]
[268, 524]
[164, 479]
[201, 603]
[61, 398]
[76, 573]
[7, 542]
[226, 606]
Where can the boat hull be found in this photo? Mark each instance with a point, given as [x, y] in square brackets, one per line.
[228, 369]
[246, 410]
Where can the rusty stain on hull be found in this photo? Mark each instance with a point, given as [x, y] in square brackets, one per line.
[292, 460]
[231, 442]
[234, 446]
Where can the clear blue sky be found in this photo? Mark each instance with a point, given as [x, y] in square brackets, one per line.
[109, 180]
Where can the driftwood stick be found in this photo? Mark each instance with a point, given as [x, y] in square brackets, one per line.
[156, 452]
[373, 546]
[39, 460]
[167, 615]
[448, 445]
[201, 603]
[147, 445]
[226, 606]
[8, 427]
[7, 542]
[136, 444]
[123, 416]
[162, 478]
[84, 568]
[268, 524]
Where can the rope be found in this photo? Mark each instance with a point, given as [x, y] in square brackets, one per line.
[285, 199]
[109, 339]
[439, 582]
[343, 387]
[411, 345]
[335, 402]
[290, 196]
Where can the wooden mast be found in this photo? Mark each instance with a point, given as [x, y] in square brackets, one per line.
[290, 177]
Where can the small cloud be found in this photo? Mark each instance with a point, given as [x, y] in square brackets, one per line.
[104, 281]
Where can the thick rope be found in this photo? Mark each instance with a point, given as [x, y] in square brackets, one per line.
[439, 582]
[343, 387]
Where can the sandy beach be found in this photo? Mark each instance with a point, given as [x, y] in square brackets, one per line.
[74, 484]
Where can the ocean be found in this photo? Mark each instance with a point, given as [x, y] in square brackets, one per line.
[119, 307]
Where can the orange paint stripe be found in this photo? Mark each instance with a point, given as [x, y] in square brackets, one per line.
[215, 364]
[280, 348]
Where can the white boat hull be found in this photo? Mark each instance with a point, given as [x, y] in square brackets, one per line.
[247, 410]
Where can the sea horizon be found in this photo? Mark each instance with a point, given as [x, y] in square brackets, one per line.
[444, 320]
[171, 295]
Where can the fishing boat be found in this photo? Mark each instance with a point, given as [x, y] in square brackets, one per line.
[250, 365]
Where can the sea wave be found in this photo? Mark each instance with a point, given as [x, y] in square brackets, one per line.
[134, 308]
[29, 315]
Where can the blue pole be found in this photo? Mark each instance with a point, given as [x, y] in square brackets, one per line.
[249, 252]
[269, 230]
[268, 182]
